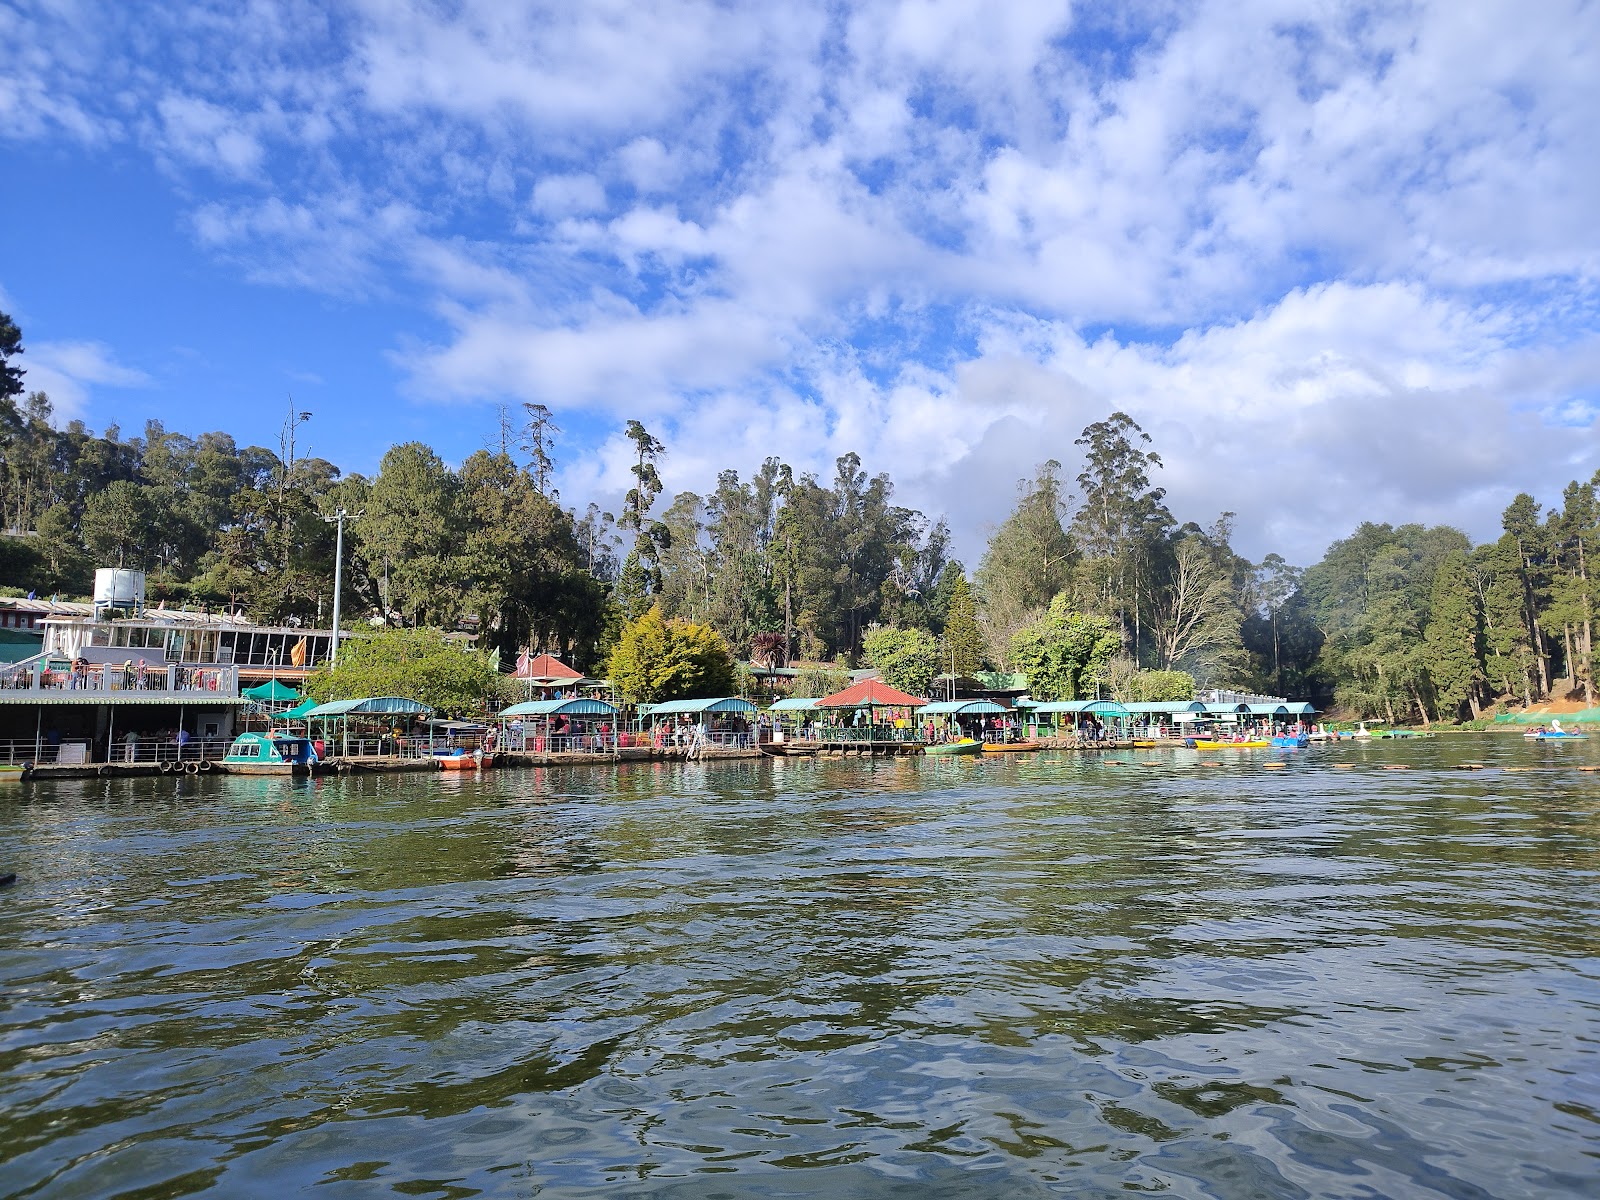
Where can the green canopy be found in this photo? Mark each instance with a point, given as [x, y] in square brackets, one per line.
[301, 709]
[272, 692]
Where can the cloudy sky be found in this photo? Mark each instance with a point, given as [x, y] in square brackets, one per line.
[1340, 260]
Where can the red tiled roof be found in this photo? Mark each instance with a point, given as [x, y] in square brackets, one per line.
[870, 693]
[546, 666]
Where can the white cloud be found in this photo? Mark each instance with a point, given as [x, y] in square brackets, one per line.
[1340, 260]
[569, 195]
[68, 372]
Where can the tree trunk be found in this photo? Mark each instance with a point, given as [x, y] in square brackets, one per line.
[1422, 708]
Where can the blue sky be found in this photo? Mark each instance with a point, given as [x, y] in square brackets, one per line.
[1339, 260]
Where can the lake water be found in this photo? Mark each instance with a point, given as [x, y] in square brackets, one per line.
[1036, 976]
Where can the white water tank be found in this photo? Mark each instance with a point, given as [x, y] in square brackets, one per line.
[116, 587]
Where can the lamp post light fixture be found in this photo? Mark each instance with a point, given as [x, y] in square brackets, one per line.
[340, 516]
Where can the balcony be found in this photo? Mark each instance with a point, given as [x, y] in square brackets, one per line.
[57, 681]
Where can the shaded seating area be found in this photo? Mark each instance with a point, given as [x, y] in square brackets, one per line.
[981, 720]
[571, 725]
[1088, 720]
[793, 717]
[869, 711]
[717, 721]
[373, 726]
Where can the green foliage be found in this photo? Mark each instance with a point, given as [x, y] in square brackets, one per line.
[1030, 558]
[657, 660]
[10, 372]
[817, 680]
[1065, 653]
[906, 658]
[419, 664]
[1151, 686]
[1453, 653]
[963, 641]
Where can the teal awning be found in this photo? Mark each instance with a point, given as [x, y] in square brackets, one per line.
[303, 709]
[964, 708]
[796, 704]
[272, 692]
[576, 707]
[1102, 708]
[720, 704]
[1164, 706]
[1227, 708]
[374, 706]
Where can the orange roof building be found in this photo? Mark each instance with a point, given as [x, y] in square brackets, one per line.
[870, 693]
[546, 671]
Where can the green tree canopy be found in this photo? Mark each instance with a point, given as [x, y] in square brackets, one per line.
[419, 664]
[656, 660]
[1064, 653]
[906, 658]
[962, 638]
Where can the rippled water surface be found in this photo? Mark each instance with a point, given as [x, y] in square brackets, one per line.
[1026, 977]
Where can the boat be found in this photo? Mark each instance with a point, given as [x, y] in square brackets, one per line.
[1208, 744]
[1290, 741]
[1011, 747]
[12, 772]
[964, 746]
[272, 754]
[1554, 734]
[462, 760]
[788, 749]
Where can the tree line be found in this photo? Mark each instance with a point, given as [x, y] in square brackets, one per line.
[1092, 589]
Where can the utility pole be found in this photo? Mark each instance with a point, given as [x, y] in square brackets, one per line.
[338, 519]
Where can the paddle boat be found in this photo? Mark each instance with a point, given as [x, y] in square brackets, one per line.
[1290, 741]
[1211, 744]
[1554, 733]
[965, 745]
[272, 754]
[458, 759]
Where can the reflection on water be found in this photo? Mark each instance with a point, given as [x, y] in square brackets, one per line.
[947, 977]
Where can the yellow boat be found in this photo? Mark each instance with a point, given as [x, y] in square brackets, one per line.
[1011, 747]
[1261, 744]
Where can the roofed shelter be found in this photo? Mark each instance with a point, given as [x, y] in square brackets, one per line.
[546, 674]
[872, 697]
[387, 713]
[726, 720]
[559, 726]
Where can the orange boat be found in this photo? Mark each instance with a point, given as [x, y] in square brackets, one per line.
[462, 761]
[1011, 747]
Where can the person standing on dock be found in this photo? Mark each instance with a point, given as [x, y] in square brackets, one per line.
[182, 740]
[130, 746]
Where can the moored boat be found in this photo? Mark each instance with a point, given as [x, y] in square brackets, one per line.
[1208, 744]
[1011, 747]
[463, 760]
[271, 754]
[964, 746]
[1290, 741]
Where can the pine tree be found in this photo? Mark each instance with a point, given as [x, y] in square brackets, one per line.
[963, 641]
[1453, 639]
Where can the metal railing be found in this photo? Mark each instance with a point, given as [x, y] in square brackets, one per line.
[89, 752]
[864, 733]
[105, 679]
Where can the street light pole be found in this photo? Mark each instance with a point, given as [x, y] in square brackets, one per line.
[338, 576]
